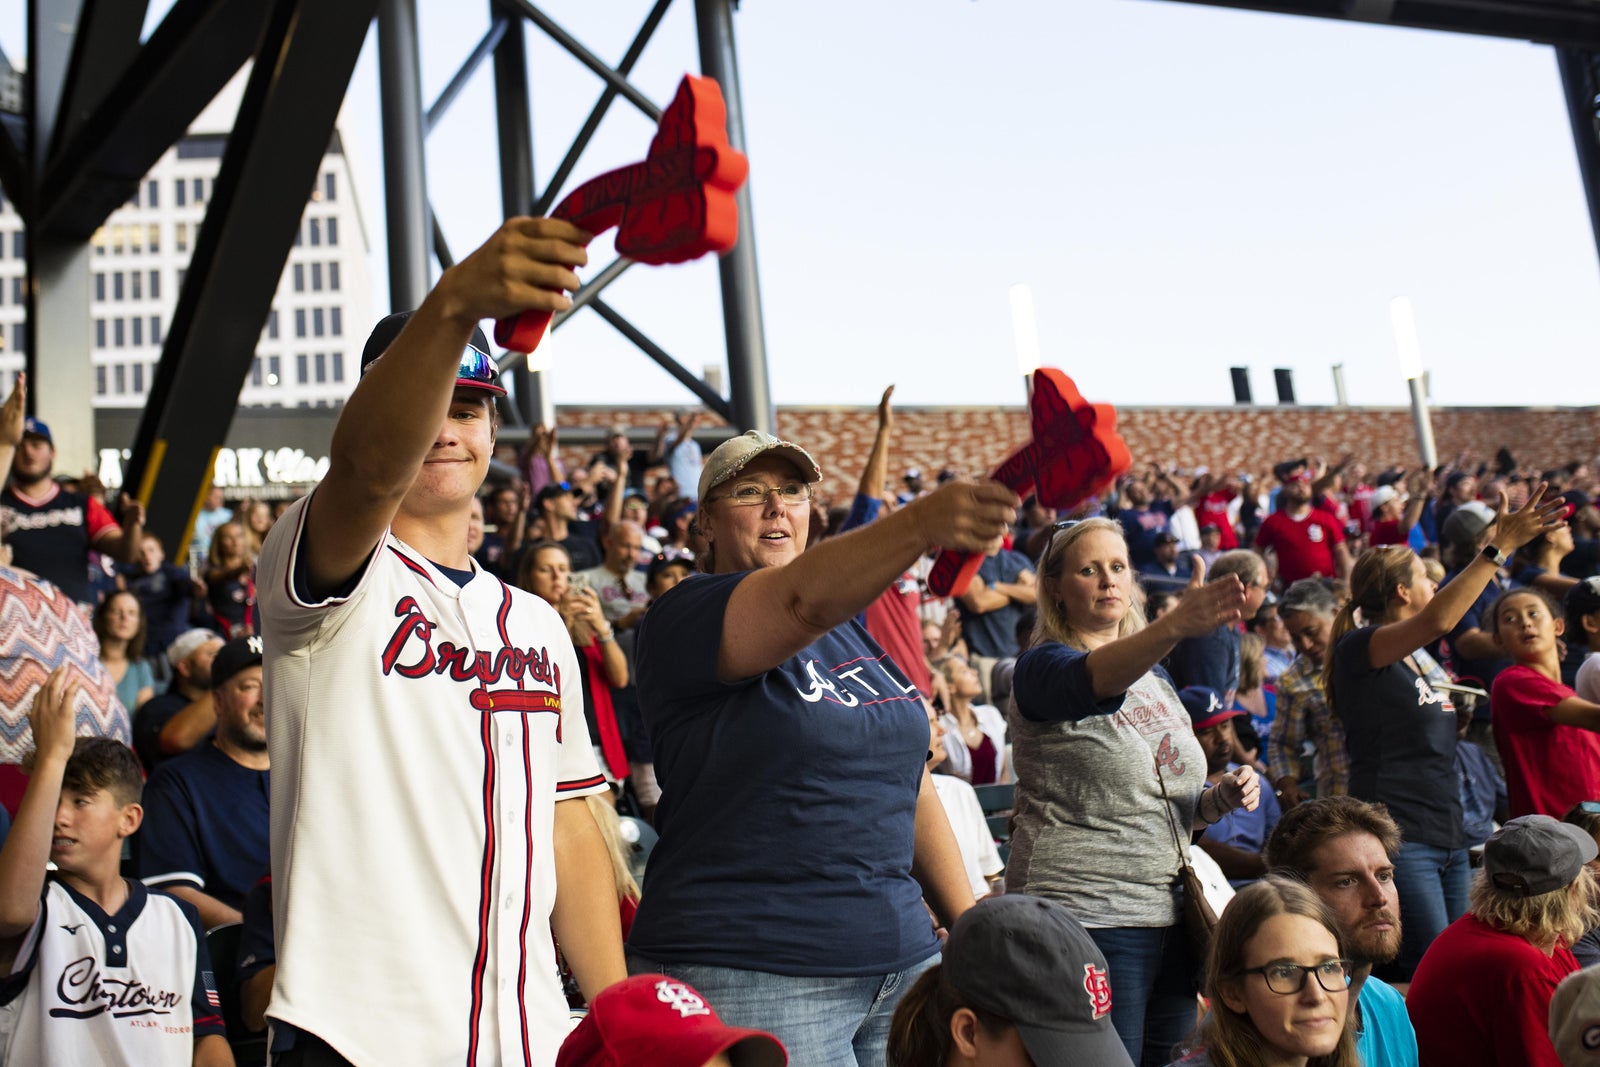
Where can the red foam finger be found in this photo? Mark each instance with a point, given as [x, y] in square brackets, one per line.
[676, 205]
[1075, 454]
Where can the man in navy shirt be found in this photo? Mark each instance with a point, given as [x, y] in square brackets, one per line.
[1003, 589]
[205, 834]
[50, 530]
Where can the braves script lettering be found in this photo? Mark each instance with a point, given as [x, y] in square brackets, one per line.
[411, 652]
[837, 689]
[82, 984]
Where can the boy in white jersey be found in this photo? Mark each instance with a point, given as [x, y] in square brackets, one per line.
[98, 969]
[425, 720]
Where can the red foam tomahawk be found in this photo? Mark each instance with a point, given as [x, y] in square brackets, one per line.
[1075, 453]
[675, 206]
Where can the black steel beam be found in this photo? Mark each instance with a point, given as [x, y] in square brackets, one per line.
[584, 56]
[749, 394]
[708, 396]
[1567, 23]
[104, 46]
[14, 169]
[1580, 78]
[486, 45]
[190, 56]
[513, 114]
[307, 52]
[598, 113]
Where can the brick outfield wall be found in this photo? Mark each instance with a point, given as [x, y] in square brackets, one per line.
[975, 439]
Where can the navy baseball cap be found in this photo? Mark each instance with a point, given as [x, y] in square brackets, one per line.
[32, 427]
[234, 657]
[1204, 706]
[478, 368]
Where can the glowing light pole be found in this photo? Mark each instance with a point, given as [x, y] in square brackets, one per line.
[1404, 321]
[1025, 329]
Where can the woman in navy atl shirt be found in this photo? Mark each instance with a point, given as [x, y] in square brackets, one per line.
[799, 829]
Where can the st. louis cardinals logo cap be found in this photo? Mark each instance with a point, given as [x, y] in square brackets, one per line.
[478, 368]
[1031, 962]
[652, 1020]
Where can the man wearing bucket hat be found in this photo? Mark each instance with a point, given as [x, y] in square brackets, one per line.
[1482, 992]
[425, 721]
[800, 831]
[1026, 963]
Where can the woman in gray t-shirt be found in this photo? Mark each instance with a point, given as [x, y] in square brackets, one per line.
[1097, 731]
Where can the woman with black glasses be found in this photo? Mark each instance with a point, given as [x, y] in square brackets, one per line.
[1109, 774]
[800, 832]
[1278, 987]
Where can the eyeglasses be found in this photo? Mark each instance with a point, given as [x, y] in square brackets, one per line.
[754, 494]
[1287, 979]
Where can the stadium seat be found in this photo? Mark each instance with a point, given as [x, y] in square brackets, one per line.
[996, 798]
[222, 944]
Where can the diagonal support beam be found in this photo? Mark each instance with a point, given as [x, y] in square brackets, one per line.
[189, 57]
[586, 57]
[103, 48]
[1580, 79]
[485, 48]
[598, 113]
[307, 52]
[585, 296]
[708, 396]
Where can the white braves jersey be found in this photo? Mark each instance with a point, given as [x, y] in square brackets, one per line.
[420, 733]
[101, 989]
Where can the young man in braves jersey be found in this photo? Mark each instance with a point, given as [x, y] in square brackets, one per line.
[50, 530]
[425, 720]
[98, 969]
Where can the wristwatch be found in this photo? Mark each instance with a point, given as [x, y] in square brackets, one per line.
[1495, 556]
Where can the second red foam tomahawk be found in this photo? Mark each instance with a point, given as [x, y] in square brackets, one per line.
[1075, 453]
[676, 205]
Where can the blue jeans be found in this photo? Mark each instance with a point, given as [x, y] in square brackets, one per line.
[1432, 883]
[1152, 989]
[826, 1022]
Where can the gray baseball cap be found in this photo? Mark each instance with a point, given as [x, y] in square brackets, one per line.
[1031, 962]
[1535, 854]
[732, 455]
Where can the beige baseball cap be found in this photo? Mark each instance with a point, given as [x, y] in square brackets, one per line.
[732, 455]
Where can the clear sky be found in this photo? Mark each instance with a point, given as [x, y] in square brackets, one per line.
[1184, 188]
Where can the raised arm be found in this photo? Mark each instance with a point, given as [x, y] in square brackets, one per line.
[777, 611]
[13, 415]
[876, 471]
[1204, 606]
[392, 419]
[1395, 641]
[27, 847]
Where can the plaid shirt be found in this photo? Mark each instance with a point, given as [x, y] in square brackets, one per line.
[1304, 715]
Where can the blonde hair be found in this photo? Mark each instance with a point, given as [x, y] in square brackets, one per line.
[1252, 662]
[1563, 914]
[1373, 581]
[605, 817]
[1230, 1038]
[1052, 624]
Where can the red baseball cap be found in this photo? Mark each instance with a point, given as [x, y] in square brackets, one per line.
[653, 1020]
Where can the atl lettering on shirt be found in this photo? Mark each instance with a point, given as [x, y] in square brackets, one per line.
[132, 988]
[52, 535]
[418, 748]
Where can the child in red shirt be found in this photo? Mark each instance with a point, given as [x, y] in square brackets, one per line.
[1548, 736]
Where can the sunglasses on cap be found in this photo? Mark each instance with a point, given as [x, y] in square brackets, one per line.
[478, 370]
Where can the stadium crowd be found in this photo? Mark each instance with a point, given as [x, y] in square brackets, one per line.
[1357, 711]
